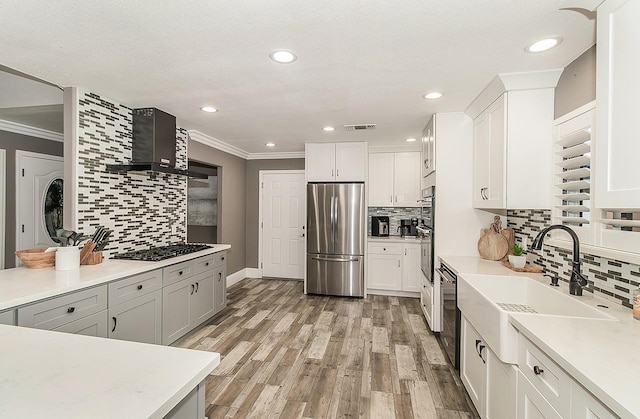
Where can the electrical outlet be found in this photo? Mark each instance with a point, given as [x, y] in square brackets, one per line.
[525, 242]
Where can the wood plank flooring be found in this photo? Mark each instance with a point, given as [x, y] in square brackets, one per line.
[289, 355]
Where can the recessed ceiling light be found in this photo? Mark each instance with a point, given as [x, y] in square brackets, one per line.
[209, 109]
[544, 44]
[433, 95]
[283, 56]
[410, 140]
[270, 144]
[328, 129]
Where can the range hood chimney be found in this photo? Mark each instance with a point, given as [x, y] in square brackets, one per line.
[153, 147]
[154, 137]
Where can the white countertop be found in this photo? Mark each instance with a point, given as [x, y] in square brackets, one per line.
[21, 286]
[45, 374]
[394, 239]
[600, 355]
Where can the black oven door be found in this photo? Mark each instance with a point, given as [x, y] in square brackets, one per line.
[426, 252]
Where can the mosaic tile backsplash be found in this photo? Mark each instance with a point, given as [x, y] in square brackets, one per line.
[395, 215]
[142, 209]
[611, 279]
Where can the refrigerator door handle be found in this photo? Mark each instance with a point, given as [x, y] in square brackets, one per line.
[332, 217]
[355, 259]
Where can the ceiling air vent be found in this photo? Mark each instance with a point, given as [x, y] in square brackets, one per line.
[360, 127]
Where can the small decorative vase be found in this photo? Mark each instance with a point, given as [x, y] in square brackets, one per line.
[517, 261]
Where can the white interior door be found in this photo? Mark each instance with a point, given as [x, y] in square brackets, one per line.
[37, 176]
[283, 224]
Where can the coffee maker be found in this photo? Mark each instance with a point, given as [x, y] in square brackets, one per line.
[408, 228]
[380, 226]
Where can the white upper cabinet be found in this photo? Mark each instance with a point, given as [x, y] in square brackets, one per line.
[512, 141]
[336, 162]
[429, 148]
[394, 179]
[618, 88]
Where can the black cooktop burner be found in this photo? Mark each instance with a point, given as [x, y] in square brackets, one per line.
[163, 252]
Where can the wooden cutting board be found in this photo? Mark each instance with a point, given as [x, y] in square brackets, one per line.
[494, 241]
[492, 245]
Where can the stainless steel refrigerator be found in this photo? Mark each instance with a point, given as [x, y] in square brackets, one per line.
[336, 231]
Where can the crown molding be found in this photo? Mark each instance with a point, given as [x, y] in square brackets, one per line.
[217, 144]
[230, 149]
[30, 131]
[277, 155]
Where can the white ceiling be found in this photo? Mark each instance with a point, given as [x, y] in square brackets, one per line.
[358, 61]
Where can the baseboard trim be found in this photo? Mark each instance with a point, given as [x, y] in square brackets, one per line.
[393, 293]
[242, 274]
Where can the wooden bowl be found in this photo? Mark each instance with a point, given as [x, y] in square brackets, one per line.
[37, 258]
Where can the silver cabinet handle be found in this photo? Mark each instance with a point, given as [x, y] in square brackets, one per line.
[331, 172]
[398, 263]
[337, 172]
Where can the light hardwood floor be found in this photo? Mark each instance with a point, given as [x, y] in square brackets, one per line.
[289, 355]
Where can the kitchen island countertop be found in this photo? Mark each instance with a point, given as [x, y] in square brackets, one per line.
[20, 286]
[59, 375]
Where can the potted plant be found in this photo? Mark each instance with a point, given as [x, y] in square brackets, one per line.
[517, 259]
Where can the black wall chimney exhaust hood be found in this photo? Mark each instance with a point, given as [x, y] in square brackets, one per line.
[153, 147]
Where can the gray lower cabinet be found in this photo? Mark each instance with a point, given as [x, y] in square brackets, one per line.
[55, 312]
[187, 304]
[135, 308]
[8, 317]
[92, 325]
[176, 310]
[193, 300]
[191, 407]
[137, 319]
[220, 288]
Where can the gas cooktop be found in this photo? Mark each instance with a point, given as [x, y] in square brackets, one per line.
[155, 254]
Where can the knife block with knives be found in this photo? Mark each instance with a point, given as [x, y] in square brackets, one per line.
[88, 256]
[91, 253]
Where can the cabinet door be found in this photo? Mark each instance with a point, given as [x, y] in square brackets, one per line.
[428, 148]
[203, 305]
[138, 320]
[411, 272]
[220, 288]
[490, 131]
[472, 364]
[585, 406]
[381, 192]
[530, 403]
[351, 162]
[93, 325]
[618, 89]
[176, 310]
[500, 399]
[8, 317]
[385, 272]
[320, 162]
[406, 179]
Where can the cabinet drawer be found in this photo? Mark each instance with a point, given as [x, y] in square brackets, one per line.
[385, 248]
[178, 272]
[8, 317]
[93, 325]
[545, 375]
[53, 313]
[135, 286]
[206, 263]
